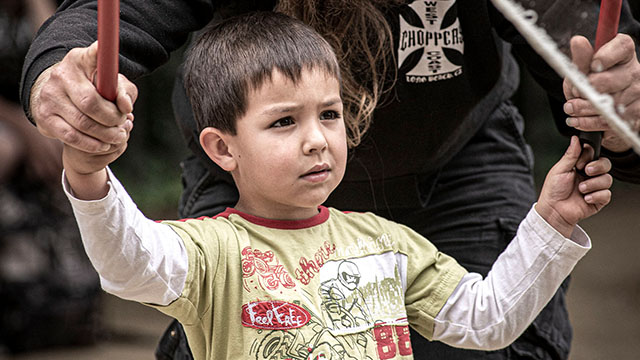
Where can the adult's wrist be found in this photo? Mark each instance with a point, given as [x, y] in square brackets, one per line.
[34, 96]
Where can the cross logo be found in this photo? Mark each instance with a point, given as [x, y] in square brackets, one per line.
[440, 39]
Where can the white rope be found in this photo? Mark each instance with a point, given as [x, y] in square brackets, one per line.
[525, 21]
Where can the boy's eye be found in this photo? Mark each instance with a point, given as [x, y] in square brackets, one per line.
[283, 122]
[329, 115]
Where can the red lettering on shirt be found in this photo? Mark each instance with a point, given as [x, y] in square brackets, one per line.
[274, 315]
[309, 268]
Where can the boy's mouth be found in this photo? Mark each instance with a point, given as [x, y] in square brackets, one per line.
[317, 172]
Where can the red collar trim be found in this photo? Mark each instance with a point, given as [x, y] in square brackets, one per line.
[321, 217]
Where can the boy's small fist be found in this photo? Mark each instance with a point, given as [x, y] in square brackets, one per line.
[85, 163]
[566, 197]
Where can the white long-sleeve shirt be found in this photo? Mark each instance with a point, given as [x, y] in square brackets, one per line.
[142, 260]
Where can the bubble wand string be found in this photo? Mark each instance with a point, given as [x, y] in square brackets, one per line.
[108, 45]
[525, 22]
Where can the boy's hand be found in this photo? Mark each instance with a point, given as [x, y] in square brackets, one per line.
[85, 163]
[86, 172]
[566, 197]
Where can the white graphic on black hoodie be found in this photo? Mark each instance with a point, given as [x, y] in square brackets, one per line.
[438, 41]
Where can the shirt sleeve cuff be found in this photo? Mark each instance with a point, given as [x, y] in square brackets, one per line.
[578, 239]
[93, 207]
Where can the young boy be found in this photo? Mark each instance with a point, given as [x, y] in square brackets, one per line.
[281, 277]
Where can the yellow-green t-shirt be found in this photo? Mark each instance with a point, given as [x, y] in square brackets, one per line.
[338, 285]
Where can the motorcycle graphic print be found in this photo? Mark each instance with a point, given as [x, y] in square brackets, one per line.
[355, 312]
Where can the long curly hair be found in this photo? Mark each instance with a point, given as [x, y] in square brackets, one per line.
[362, 40]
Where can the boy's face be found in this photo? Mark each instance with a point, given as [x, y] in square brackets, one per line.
[290, 147]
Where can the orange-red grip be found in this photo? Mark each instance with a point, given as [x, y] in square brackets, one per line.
[108, 45]
[608, 21]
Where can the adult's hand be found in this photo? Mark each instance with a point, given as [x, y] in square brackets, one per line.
[66, 105]
[613, 70]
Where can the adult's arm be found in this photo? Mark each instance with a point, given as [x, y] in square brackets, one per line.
[626, 164]
[58, 91]
[149, 31]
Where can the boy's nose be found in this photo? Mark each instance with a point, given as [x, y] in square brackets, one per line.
[315, 141]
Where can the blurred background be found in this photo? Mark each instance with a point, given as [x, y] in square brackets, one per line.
[52, 308]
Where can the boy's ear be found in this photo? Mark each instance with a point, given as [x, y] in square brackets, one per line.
[216, 145]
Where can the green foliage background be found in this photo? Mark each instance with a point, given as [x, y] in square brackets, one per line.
[150, 168]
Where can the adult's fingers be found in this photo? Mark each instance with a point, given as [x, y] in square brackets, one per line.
[58, 128]
[126, 95]
[629, 95]
[76, 74]
[89, 126]
[581, 56]
[621, 49]
[614, 79]
[66, 105]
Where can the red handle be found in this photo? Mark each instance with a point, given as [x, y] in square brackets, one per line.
[608, 21]
[607, 29]
[108, 44]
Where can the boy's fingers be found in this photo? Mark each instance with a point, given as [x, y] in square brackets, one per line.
[586, 155]
[595, 184]
[598, 167]
[598, 198]
[570, 157]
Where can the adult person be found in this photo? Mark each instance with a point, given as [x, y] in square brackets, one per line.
[446, 107]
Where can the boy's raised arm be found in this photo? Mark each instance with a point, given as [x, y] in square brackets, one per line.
[491, 313]
[136, 258]
[85, 171]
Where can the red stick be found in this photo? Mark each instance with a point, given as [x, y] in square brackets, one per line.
[607, 29]
[108, 45]
[608, 21]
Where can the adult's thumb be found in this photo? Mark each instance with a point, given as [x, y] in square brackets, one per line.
[581, 53]
[89, 60]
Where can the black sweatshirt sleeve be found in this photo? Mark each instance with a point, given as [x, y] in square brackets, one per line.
[149, 31]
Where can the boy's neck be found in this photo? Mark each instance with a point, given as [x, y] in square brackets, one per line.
[282, 212]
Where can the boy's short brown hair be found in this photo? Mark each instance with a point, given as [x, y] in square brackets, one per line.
[232, 57]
